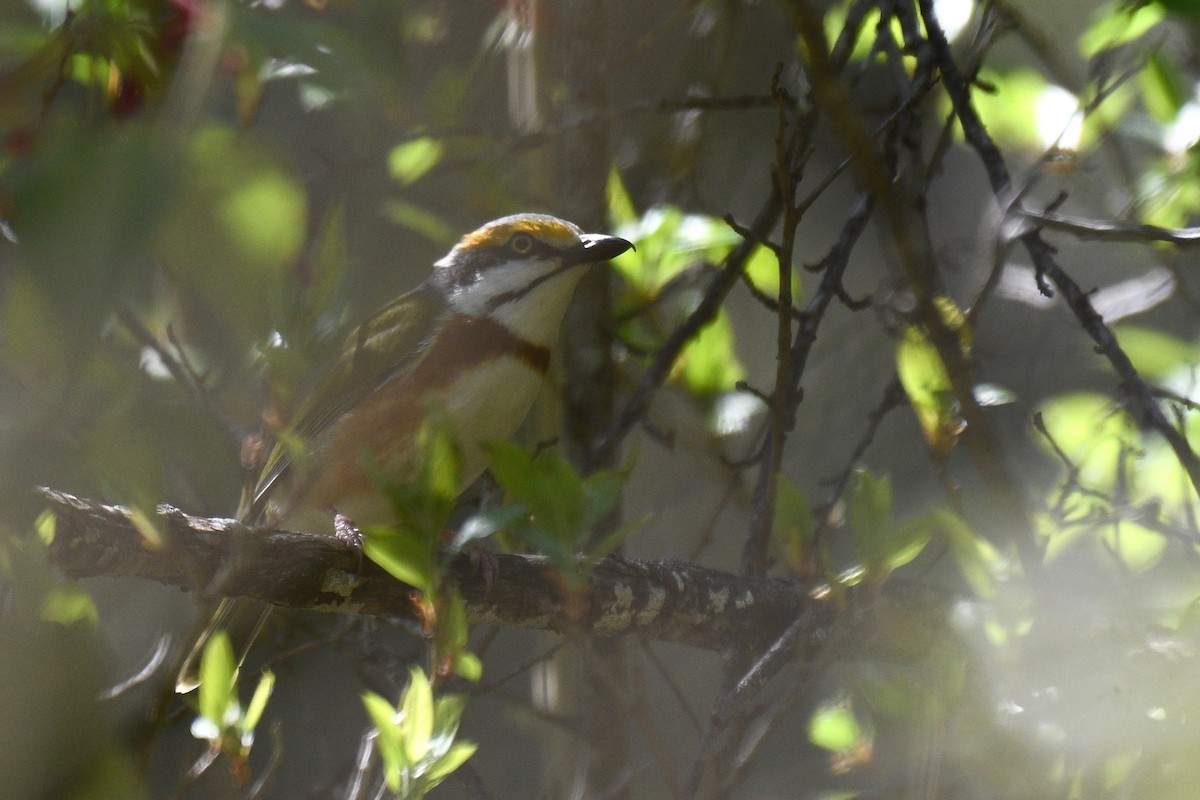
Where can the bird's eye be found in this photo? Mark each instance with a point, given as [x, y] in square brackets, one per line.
[521, 244]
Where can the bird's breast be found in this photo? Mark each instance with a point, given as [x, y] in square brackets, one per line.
[477, 376]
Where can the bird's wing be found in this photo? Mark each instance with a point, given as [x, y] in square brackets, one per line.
[388, 345]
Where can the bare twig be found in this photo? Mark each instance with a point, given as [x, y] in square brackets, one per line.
[1111, 230]
[782, 409]
[184, 375]
[705, 312]
[893, 397]
[1042, 254]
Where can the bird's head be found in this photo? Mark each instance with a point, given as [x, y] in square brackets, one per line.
[522, 270]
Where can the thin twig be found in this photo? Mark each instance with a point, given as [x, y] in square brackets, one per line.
[184, 376]
[782, 412]
[893, 397]
[705, 312]
[1042, 254]
[1111, 230]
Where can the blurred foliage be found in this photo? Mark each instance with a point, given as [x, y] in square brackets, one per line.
[411, 548]
[664, 278]
[1138, 89]
[220, 719]
[552, 509]
[417, 739]
[834, 727]
[408, 549]
[198, 197]
[927, 382]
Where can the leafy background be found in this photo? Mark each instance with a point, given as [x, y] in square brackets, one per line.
[225, 186]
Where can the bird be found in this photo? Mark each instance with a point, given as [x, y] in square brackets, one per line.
[471, 344]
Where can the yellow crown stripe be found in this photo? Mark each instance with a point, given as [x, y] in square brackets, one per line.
[549, 231]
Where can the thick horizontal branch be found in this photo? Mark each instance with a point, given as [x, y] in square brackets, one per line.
[660, 599]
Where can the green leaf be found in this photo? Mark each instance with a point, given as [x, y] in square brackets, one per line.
[45, 525]
[613, 540]
[603, 490]
[762, 268]
[511, 465]
[709, 364]
[149, 525]
[835, 22]
[1011, 112]
[869, 514]
[447, 714]
[930, 392]
[1094, 433]
[1187, 8]
[331, 256]
[620, 206]
[381, 713]
[468, 666]
[1156, 354]
[389, 742]
[217, 678]
[1061, 539]
[548, 485]
[668, 242]
[440, 462]
[656, 259]
[409, 162]
[1162, 88]
[559, 503]
[419, 220]
[1117, 23]
[416, 719]
[793, 524]
[977, 560]
[455, 757]
[69, 604]
[405, 556]
[1169, 197]
[266, 216]
[258, 703]
[1161, 480]
[909, 540]
[484, 524]
[834, 727]
[1137, 547]
[452, 631]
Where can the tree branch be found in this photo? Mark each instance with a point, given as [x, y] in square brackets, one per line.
[1041, 254]
[1112, 230]
[657, 599]
[714, 295]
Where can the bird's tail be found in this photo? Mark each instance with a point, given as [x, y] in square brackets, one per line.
[187, 678]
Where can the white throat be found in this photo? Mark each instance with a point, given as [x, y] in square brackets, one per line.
[532, 314]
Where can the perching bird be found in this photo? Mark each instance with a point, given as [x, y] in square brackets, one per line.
[471, 344]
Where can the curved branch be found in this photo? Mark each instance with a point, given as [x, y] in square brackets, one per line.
[1109, 230]
[1042, 254]
[656, 599]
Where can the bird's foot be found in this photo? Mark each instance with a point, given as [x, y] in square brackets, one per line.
[349, 535]
[347, 532]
